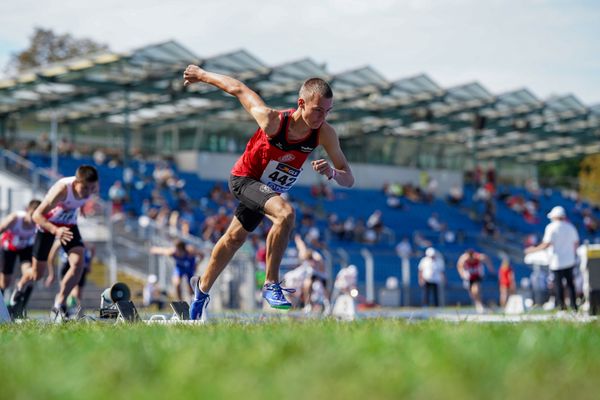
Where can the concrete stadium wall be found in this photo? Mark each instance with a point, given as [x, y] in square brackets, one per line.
[14, 193]
[217, 166]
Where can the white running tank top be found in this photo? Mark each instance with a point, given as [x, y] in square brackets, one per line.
[65, 213]
[19, 236]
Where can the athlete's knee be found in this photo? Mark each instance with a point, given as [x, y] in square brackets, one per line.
[285, 215]
[36, 274]
[236, 239]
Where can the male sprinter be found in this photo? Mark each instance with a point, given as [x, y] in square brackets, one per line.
[470, 268]
[270, 165]
[17, 232]
[56, 218]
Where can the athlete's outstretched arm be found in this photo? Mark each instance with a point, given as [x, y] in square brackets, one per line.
[488, 263]
[162, 251]
[7, 222]
[267, 118]
[340, 172]
[460, 266]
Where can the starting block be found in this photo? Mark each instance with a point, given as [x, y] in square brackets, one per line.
[181, 310]
[181, 315]
[127, 311]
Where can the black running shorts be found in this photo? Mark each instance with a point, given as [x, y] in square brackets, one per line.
[44, 241]
[253, 196]
[9, 259]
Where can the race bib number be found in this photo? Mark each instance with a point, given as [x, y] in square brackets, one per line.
[65, 217]
[279, 176]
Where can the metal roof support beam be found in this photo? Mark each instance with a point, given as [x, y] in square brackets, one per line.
[3, 119]
[72, 133]
[126, 130]
[54, 142]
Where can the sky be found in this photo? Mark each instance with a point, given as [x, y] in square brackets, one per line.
[548, 46]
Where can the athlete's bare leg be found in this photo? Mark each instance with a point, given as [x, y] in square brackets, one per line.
[72, 276]
[77, 294]
[503, 295]
[5, 281]
[228, 244]
[35, 273]
[283, 216]
[476, 296]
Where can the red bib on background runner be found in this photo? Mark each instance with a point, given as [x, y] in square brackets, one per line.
[277, 161]
[19, 236]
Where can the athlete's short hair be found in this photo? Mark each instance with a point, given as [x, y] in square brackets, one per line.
[315, 86]
[33, 204]
[86, 173]
[180, 245]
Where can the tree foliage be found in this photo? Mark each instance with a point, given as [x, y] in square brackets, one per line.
[589, 178]
[48, 47]
[561, 173]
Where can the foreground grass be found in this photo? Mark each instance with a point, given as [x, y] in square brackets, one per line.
[373, 359]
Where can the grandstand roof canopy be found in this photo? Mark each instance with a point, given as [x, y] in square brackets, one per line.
[144, 88]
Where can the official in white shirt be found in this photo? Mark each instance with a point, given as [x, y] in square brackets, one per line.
[431, 276]
[561, 240]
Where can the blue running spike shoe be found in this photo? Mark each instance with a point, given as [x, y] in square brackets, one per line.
[273, 293]
[200, 301]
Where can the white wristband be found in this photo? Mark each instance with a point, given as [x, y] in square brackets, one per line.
[333, 173]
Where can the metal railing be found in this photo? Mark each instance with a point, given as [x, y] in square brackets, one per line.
[123, 244]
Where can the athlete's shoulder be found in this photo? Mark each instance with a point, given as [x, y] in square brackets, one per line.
[274, 119]
[58, 191]
[326, 133]
[10, 219]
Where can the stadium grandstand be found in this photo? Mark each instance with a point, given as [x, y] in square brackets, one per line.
[450, 168]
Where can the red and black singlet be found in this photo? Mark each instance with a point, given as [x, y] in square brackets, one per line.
[276, 161]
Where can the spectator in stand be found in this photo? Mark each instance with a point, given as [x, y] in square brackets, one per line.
[431, 276]
[489, 226]
[490, 175]
[336, 227]
[434, 223]
[99, 157]
[456, 194]
[421, 241]
[187, 220]
[375, 224]
[589, 222]
[404, 249]
[349, 226]
[162, 173]
[118, 196]
[359, 230]
[322, 190]
[431, 190]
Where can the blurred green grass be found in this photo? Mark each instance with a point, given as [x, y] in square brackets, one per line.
[370, 359]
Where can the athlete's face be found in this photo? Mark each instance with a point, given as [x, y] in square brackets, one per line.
[315, 110]
[85, 189]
